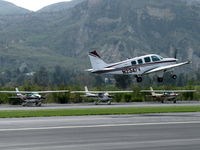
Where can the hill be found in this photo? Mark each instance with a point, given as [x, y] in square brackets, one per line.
[60, 6]
[7, 8]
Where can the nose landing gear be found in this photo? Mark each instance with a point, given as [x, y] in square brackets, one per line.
[174, 76]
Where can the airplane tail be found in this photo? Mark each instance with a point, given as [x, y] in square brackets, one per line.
[152, 92]
[96, 61]
[86, 89]
[17, 90]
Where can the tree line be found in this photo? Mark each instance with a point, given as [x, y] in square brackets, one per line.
[60, 78]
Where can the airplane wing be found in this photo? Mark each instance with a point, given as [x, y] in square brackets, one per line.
[43, 92]
[79, 92]
[167, 67]
[162, 91]
[113, 92]
[8, 92]
[40, 92]
[99, 92]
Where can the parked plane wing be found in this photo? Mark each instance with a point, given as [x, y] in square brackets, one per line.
[99, 92]
[39, 92]
[167, 67]
[162, 91]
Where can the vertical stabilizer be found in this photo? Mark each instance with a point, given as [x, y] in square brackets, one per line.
[86, 89]
[96, 61]
[152, 92]
[17, 90]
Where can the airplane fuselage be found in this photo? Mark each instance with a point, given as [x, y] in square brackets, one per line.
[165, 96]
[102, 97]
[138, 65]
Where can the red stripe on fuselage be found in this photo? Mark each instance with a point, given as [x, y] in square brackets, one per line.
[156, 62]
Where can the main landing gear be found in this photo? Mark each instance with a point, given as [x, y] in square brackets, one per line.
[160, 79]
[174, 76]
[139, 79]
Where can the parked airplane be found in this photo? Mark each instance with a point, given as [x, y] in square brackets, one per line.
[31, 97]
[137, 66]
[102, 96]
[165, 94]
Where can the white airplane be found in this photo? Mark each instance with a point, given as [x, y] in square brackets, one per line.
[165, 94]
[137, 66]
[31, 97]
[102, 96]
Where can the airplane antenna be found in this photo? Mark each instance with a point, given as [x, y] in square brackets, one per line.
[175, 53]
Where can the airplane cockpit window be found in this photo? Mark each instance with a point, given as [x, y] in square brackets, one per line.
[139, 61]
[147, 59]
[133, 62]
[155, 58]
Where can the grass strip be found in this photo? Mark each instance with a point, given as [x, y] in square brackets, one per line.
[95, 111]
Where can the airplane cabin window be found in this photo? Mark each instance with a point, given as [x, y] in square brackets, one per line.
[147, 59]
[139, 61]
[155, 58]
[133, 62]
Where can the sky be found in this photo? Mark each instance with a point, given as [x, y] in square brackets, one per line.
[34, 5]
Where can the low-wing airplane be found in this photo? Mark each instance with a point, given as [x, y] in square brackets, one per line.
[137, 66]
[31, 97]
[166, 94]
[102, 96]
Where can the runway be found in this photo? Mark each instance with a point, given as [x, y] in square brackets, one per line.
[103, 105]
[174, 131]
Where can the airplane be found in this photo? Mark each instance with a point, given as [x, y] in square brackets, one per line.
[137, 66]
[102, 96]
[166, 94]
[31, 97]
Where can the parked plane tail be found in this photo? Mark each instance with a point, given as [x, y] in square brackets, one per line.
[152, 92]
[17, 90]
[86, 89]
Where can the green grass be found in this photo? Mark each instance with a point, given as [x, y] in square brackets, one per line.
[95, 111]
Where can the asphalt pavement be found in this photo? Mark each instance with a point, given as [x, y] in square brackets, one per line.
[102, 105]
[174, 131]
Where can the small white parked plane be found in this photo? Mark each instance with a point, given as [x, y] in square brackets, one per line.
[137, 66]
[166, 94]
[31, 97]
[102, 96]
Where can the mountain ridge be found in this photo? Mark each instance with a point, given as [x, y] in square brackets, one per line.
[116, 29]
[7, 8]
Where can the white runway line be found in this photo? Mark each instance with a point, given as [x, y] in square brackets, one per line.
[101, 125]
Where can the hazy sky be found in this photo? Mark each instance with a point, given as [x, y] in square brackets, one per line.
[34, 4]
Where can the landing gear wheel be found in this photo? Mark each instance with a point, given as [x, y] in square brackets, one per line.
[139, 79]
[96, 103]
[174, 76]
[160, 79]
[174, 101]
